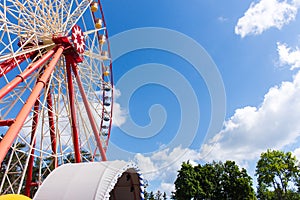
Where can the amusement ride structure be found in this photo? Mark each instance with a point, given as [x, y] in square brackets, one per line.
[56, 89]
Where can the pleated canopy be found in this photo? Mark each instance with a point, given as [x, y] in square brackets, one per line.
[93, 181]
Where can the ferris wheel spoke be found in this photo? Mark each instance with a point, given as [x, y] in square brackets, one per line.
[23, 12]
[75, 16]
[93, 42]
[18, 31]
[13, 101]
[7, 122]
[9, 46]
[11, 63]
[30, 14]
[12, 27]
[93, 92]
[87, 133]
[7, 88]
[93, 55]
[21, 117]
[25, 52]
[15, 53]
[93, 31]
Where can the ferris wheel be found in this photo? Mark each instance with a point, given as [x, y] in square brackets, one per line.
[56, 88]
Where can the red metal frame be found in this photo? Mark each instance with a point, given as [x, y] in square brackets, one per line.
[15, 128]
[64, 46]
[103, 95]
[111, 74]
[32, 142]
[21, 77]
[52, 127]
[69, 62]
[89, 112]
[7, 122]
[11, 63]
[98, 35]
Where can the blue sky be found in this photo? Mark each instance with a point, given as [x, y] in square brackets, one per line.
[254, 46]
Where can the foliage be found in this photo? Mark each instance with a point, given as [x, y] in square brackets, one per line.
[18, 159]
[164, 196]
[157, 196]
[151, 196]
[277, 173]
[186, 184]
[215, 180]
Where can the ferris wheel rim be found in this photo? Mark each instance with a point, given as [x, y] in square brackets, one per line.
[39, 45]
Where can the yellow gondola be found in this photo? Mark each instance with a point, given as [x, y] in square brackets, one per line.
[94, 6]
[98, 23]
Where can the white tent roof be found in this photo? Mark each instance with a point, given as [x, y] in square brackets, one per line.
[91, 181]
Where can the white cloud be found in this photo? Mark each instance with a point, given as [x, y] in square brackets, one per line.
[168, 188]
[266, 14]
[252, 130]
[119, 114]
[296, 153]
[249, 132]
[287, 56]
[162, 166]
[222, 19]
[147, 166]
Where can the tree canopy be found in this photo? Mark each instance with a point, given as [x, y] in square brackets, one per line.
[277, 175]
[215, 180]
[157, 196]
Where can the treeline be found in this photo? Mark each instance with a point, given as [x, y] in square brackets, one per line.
[277, 173]
[155, 196]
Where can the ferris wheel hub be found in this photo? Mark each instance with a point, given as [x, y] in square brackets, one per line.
[73, 46]
[78, 39]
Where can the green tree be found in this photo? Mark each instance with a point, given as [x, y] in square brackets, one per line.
[186, 184]
[151, 196]
[276, 173]
[146, 195]
[14, 174]
[215, 180]
[164, 196]
[237, 183]
[173, 195]
[158, 195]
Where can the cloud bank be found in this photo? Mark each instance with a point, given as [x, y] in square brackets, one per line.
[162, 166]
[249, 132]
[119, 114]
[252, 130]
[288, 56]
[266, 14]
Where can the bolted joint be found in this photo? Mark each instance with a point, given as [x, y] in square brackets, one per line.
[68, 48]
[62, 40]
